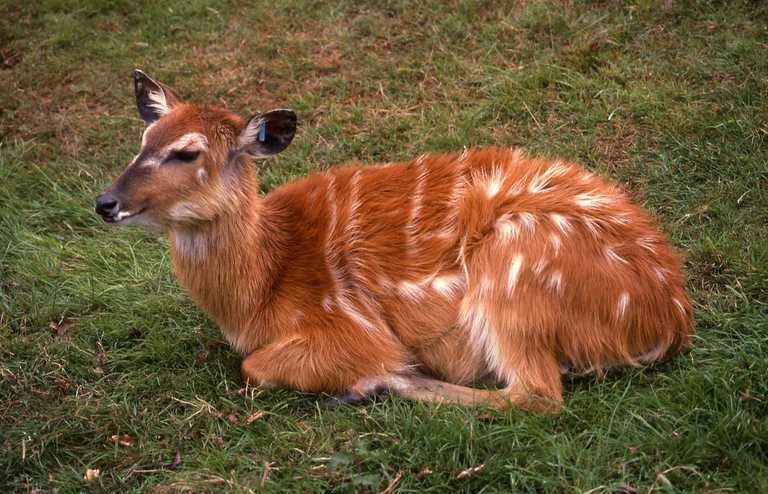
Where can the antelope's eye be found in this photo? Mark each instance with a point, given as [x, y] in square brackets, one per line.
[183, 156]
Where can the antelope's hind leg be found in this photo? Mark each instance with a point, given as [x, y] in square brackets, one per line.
[518, 340]
[291, 363]
[535, 382]
[420, 388]
[519, 351]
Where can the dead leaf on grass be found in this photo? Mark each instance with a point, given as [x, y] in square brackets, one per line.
[91, 474]
[626, 489]
[175, 463]
[489, 417]
[9, 58]
[62, 328]
[123, 440]
[254, 417]
[470, 472]
[747, 395]
[62, 383]
[268, 467]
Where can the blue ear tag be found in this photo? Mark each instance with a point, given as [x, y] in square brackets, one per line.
[263, 133]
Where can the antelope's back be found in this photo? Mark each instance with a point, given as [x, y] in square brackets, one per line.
[425, 240]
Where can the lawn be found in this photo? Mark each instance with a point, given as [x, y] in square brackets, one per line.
[106, 364]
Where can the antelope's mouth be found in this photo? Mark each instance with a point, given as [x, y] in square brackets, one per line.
[122, 216]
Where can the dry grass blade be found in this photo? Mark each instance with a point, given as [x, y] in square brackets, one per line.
[393, 483]
[201, 485]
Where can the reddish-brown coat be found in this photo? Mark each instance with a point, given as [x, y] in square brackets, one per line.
[462, 266]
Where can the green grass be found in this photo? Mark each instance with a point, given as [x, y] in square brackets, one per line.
[667, 97]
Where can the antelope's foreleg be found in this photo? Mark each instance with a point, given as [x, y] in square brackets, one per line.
[323, 361]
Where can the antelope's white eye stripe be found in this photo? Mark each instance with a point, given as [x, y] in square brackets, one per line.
[149, 163]
[193, 141]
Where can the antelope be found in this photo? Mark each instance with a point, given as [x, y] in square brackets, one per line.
[415, 278]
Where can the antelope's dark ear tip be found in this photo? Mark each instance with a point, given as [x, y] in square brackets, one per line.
[139, 80]
[283, 121]
[290, 117]
[290, 114]
[286, 113]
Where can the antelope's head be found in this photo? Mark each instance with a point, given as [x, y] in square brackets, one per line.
[190, 160]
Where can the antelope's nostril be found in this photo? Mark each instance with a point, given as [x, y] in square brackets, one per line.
[107, 205]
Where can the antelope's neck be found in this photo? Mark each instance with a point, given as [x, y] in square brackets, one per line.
[228, 267]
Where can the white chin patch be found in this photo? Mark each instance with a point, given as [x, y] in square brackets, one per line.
[123, 215]
[134, 218]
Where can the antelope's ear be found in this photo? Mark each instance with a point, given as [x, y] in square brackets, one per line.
[266, 134]
[152, 98]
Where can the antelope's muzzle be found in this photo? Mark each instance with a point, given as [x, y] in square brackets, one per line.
[108, 206]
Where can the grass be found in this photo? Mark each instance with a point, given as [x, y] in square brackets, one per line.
[96, 339]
